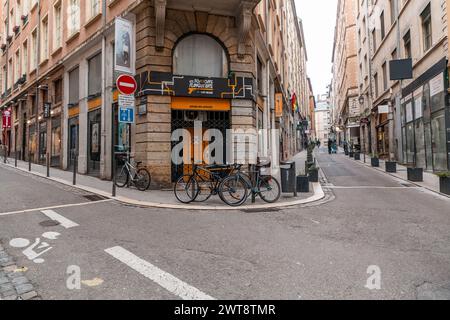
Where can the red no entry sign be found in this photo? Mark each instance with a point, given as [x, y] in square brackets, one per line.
[126, 84]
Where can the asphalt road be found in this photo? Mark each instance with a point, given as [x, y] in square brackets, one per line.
[318, 251]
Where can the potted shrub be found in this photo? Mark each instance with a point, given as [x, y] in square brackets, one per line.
[302, 184]
[444, 182]
[16, 29]
[391, 166]
[374, 160]
[313, 174]
[415, 174]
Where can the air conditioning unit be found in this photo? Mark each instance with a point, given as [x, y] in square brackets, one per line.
[194, 115]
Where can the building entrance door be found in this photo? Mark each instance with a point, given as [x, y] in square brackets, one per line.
[73, 140]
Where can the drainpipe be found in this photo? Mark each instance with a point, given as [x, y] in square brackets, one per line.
[38, 61]
[104, 131]
[391, 108]
[369, 45]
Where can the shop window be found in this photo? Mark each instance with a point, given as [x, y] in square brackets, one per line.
[58, 90]
[95, 76]
[200, 55]
[439, 143]
[74, 83]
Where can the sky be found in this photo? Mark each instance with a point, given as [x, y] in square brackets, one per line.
[319, 19]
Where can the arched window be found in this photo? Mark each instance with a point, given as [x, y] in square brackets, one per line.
[200, 55]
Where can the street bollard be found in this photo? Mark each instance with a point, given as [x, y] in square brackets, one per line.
[29, 161]
[113, 173]
[15, 159]
[48, 165]
[75, 161]
[5, 154]
[295, 171]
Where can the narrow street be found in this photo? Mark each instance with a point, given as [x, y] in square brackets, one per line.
[318, 251]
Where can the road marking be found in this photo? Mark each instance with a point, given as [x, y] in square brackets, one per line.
[55, 207]
[368, 187]
[162, 278]
[66, 223]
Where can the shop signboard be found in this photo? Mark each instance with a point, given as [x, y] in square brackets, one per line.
[168, 84]
[278, 105]
[383, 109]
[6, 119]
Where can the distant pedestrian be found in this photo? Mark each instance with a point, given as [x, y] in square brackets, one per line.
[330, 145]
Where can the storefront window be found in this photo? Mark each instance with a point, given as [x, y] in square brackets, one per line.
[438, 141]
[410, 143]
[42, 142]
[420, 144]
[94, 141]
[56, 141]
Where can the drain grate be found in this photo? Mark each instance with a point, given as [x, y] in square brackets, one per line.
[94, 197]
[49, 223]
[407, 185]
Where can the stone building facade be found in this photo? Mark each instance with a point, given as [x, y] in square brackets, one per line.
[345, 76]
[223, 65]
[408, 118]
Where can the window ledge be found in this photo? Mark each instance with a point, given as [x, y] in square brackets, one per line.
[92, 20]
[43, 62]
[73, 37]
[56, 51]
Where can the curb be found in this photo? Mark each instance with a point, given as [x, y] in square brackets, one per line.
[406, 180]
[319, 194]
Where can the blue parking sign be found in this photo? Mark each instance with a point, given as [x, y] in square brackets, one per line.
[126, 115]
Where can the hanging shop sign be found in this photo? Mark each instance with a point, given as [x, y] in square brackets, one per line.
[200, 104]
[124, 46]
[383, 109]
[168, 84]
[6, 119]
[278, 105]
[47, 110]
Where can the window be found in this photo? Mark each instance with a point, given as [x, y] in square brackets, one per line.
[385, 77]
[44, 39]
[95, 75]
[407, 44]
[25, 58]
[10, 73]
[393, 4]
[375, 80]
[374, 39]
[57, 84]
[200, 55]
[57, 39]
[74, 17]
[33, 63]
[93, 8]
[74, 83]
[382, 26]
[260, 76]
[17, 66]
[426, 28]
[394, 55]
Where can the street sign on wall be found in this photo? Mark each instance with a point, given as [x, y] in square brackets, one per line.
[126, 115]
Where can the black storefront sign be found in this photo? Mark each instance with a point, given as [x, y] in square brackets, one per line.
[47, 110]
[168, 84]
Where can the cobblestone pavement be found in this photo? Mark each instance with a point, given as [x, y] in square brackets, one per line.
[14, 285]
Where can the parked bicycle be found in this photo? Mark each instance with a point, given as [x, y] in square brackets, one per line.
[205, 181]
[265, 186]
[132, 174]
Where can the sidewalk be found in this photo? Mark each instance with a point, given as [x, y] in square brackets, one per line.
[161, 198]
[430, 180]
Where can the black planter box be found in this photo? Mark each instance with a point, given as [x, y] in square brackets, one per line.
[391, 166]
[444, 185]
[302, 184]
[351, 154]
[375, 162]
[415, 174]
[357, 156]
[313, 175]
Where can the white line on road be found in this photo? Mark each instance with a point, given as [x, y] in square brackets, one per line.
[55, 207]
[368, 187]
[162, 278]
[66, 223]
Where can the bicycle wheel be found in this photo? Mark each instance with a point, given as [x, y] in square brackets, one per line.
[122, 177]
[142, 179]
[269, 189]
[233, 191]
[206, 189]
[186, 189]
